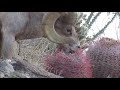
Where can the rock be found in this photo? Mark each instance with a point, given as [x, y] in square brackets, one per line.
[6, 68]
[22, 69]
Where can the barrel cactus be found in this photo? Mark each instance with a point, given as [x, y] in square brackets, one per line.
[69, 66]
[104, 56]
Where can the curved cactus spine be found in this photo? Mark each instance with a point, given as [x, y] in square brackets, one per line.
[69, 66]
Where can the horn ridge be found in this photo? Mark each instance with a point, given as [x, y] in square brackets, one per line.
[48, 27]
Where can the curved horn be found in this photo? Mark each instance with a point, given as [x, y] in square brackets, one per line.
[48, 27]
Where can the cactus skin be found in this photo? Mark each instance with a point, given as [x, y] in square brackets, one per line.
[69, 66]
[104, 56]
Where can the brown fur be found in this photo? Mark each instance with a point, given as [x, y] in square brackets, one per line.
[26, 25]
[0, 39]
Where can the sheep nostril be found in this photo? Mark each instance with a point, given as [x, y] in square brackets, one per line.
[78, 46]
[71, 51]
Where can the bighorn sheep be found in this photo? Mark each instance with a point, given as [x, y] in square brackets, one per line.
[56, 26]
